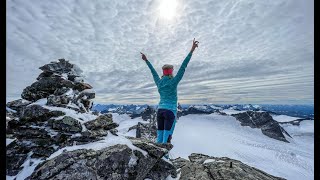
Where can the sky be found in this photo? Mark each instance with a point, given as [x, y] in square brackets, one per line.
[259, 52]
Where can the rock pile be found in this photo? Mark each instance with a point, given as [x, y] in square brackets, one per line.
[62, 84]
[54, 113]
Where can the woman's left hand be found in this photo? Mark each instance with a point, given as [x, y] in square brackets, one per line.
[144, 57]
[194, 44]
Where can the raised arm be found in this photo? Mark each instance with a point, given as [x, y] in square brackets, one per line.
[184, 64]
[153, 71]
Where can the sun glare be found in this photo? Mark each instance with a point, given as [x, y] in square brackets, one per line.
[168, 8]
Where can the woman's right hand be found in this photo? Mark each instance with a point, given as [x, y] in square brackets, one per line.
[144, 57]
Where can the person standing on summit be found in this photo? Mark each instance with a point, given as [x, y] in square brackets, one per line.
[167, 88]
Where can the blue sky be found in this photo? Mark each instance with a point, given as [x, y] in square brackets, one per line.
[250, 51]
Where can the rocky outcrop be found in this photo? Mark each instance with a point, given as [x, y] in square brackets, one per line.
[145, 131]
[49, 117]
[200, 166]
[198, 109]
[115, 162]
[148, 114]
[264, 121]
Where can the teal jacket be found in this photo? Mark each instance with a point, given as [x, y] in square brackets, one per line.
[167, 87]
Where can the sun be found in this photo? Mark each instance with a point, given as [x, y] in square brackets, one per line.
[168, 8]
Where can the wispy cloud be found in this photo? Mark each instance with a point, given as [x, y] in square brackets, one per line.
[249, 52]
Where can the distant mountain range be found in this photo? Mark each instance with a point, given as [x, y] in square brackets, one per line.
[302, 111]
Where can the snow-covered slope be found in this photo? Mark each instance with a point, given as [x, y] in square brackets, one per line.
[284, 118]
[218, 135]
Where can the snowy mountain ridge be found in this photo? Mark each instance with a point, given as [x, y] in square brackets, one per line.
[52, 133]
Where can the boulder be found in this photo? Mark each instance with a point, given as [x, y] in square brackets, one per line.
[38, 113]
[153, 149]
[161, 170]
[18, 104]
[59, 101]
[11, 118]
[79, 140]
[86, 94]
[102, 122]
[44, 74]
[95, 133]
[67, 124]
[80, 86]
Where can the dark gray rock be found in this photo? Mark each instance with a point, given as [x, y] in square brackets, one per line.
[194, 171]
[12, 125]
[198, 158]
[86, 95]
[95, 133]
[11, 120]
[45, 87]
[206, 167]
[42, 151]
[264, 121]
[61, 91]
[67, 124]
[38, 113]
[153, 149]
[61, 100]
[179, 162]
[80, 86]
[18, 104]
[17, 151]
[145, 131]
[44, 74]
[16, 154]
[102, 122]
[62, 66]
[114, 132]
[148, 114]
[161, 170]
[84, 105]
[62, 138]
[82, 140]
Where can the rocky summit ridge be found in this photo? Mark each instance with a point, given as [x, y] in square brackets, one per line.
[54, 135]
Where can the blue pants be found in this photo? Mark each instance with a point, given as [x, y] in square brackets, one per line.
[166, 121]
